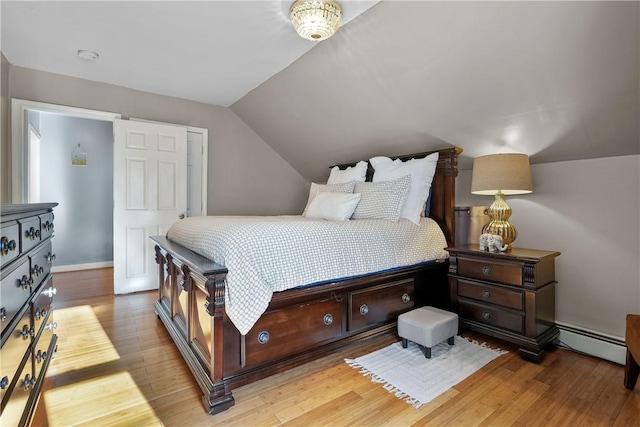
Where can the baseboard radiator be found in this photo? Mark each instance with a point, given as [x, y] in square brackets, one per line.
[595, 344]
[80, 267]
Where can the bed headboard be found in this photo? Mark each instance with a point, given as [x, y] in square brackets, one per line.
[443, 188]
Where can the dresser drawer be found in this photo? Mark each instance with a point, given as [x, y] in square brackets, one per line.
[495, 271]
[40, 264]
[291, 330]
[16, 402]
[42, 304]
[29, 233]
[15, 290]
[491, 294]
[492, 315]
[380, 304]
[9, 242]
[44, 347]
[46, 225]
[14, 350]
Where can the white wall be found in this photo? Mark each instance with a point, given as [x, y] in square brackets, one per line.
[590, 211]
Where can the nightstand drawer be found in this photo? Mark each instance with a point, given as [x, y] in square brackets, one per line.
[480, 269]
[492, 315]
[491, 294]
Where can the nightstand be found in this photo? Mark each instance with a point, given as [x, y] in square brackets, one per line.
[508, 295]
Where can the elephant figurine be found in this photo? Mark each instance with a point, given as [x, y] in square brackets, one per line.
[492, 243]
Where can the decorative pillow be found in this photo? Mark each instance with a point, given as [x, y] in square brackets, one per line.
[381, 200]
[346, 187]
[333, 206]
[352, 173]
[421, 171]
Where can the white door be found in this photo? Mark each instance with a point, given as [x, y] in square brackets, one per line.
[150, 194]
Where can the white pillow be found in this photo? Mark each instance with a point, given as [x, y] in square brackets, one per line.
[333, 206]
[421, 171]
[381, 200]
[346, 187]
[352, 173]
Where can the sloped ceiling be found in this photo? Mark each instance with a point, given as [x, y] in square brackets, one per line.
[555, 80]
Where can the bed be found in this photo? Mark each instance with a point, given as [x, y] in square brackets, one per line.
[300, 322]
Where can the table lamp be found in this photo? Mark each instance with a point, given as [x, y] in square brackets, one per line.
[501, 175]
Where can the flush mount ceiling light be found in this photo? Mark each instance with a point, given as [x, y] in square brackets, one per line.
[316, 19]
[88, 55]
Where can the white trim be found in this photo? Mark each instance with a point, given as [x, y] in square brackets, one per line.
[205, 154]
[19, 108]
[597, 344]
[79, 267]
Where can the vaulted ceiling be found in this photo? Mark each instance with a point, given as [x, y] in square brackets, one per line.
[555, 80]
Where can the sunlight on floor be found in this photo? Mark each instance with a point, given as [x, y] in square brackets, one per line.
[88, 337]
[113, 396]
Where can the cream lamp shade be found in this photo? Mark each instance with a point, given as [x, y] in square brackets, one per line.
[500, 175]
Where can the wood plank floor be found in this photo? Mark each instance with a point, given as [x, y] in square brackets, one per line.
[117, 366]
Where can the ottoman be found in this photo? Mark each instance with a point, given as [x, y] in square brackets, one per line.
[427, 326]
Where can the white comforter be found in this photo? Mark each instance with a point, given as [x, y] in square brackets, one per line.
[270, 254]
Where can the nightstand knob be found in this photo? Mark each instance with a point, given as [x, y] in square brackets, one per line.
[327, 319]
[364, 309]
[406, 298]
[263, 337]
[486, 270]
[486, 315]
[486, 294]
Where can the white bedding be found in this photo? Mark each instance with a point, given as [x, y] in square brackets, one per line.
[270, 254]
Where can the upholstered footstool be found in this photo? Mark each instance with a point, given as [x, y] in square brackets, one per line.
[427, 326]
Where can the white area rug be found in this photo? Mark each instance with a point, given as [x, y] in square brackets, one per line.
[418, 380]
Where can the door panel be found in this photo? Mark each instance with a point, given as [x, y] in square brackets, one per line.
[150, 187]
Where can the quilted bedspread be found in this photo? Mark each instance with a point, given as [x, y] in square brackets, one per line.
[264, 255]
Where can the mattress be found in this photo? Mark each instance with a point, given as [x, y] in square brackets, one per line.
[270, 254]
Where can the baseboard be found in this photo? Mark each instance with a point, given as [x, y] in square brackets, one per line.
[593, 343]
[79, 267]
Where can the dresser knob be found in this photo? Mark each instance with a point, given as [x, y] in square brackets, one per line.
[51, 326]
[3, 314]
[486, 315]
[406, 298]
[327, 319]
[26, 332]
[50, 257]
[25, 282]
[486, 270]
[487, 294]
[40, 313]
[263, 337]
[41, 355]
[28, 382]
[4, 382]
[364, 309]
[50, 292]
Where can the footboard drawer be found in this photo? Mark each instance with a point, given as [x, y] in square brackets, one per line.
[292, 330]
[380, 304]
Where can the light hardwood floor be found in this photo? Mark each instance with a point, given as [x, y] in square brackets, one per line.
[117, 366]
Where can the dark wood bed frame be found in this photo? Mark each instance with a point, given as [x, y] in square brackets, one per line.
[300, 324]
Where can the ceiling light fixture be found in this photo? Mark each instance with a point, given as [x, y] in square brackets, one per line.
[88, 55]
[316, 19]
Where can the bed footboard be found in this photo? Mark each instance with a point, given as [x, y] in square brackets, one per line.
[326, 317]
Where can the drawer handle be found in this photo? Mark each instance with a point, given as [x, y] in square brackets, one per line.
[3, 314]
[486, 315]
[40, 313]
[50, 292]
[486, 270]
[327, 319]
[406, 298]
[51, 257]
[25, 282]
[7, 245]
[41, 355]
[32, 233]
[48, 226]
[51, 326]
[487, 294]
[26, 332]
[263, 337]
[4, 382]
[37, 270]
[364, 309]
[28, 382]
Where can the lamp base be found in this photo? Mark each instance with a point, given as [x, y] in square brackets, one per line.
[499, 212]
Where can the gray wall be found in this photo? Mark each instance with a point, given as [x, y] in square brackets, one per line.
[590, 211]
[5, 154]
[246, 176]
[84, 216]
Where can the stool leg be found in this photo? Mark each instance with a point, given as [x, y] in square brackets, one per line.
[404, 343]
[450, 341]
[427, 352]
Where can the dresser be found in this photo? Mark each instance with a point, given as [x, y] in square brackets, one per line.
[508, 295]
[26, 293]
